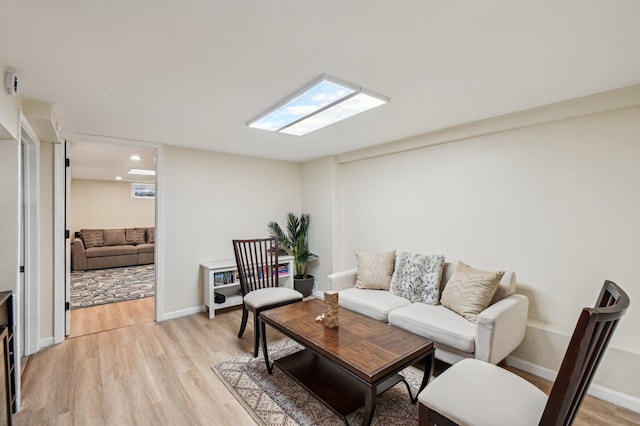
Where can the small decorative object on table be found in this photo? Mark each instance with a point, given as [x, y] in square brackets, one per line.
[330, 316]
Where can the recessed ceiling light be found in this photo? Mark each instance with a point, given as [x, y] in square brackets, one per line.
[136, 158]
[323, 102]
[142, 172]
[118, 177]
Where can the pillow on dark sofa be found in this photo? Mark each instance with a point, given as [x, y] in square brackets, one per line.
[114, 237]
[135, 236]
[92, 237]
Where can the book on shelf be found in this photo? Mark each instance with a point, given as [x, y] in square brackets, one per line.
[222, 278]
[283, 269]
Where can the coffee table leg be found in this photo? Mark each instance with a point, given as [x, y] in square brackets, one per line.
[428, 372]
[369, 406]
[264, 346]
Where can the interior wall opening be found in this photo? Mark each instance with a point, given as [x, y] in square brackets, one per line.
[112, 210]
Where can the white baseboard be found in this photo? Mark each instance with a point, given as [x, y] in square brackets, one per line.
[47, 341]
[182, 313]
[317, 293]
[607, 394]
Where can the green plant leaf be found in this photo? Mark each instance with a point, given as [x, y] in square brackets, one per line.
[296, 241]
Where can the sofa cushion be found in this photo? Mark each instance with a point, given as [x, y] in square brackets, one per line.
[373, 303]
[114, 237]
[437, 323]
[134, 236]
[469, 291]
[110, 251]
[417, 277]
[151, 235]
[146, 248]
[92, 237]
[374, 270]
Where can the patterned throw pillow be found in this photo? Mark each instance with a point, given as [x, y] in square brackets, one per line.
[135, 236]
[374, 270]
[417, 277]
[151, 235]
[92, 238]
[469, 291]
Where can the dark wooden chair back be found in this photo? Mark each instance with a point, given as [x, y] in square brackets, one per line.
[257, 263]
[586, 348]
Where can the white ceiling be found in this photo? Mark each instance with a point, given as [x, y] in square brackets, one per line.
[104, 161]
[192, 72]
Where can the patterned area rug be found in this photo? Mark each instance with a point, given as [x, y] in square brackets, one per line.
[279, 400]
[102, 286]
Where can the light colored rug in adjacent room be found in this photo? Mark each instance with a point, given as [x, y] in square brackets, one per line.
[102, 286]
[278, 400]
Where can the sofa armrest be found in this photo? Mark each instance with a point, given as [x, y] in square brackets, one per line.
[78, 256]
[342, 280]
[501, 328]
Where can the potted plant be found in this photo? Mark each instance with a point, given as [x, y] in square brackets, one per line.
[296, 243]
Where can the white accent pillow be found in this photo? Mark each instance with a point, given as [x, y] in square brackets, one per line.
[417, 277]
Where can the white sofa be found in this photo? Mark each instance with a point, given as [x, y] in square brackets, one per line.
[498, 331]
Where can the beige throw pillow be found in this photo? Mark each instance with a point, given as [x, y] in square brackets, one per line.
[114, 237]
[469, 291]
[375, 270]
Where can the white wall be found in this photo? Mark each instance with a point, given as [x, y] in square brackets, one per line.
[103, 204]
[319, 179]
[211, 199]
[9, 112]
[9, 174]
[9, 162]
[557, 203]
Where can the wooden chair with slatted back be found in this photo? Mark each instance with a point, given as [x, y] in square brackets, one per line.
[257, 264]
[473, 392]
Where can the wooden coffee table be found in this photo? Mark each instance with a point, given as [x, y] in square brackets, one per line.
[348, 366]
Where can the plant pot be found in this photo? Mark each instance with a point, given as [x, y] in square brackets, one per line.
[304, 285]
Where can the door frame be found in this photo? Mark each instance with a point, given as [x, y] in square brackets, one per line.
[59, 182]
[30, 193]
[60, 261]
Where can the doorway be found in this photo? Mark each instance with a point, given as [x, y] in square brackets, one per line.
[114, 283]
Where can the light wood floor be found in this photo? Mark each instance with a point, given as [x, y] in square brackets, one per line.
[160, 374]
[114, 315]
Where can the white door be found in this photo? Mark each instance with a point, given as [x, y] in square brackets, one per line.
[22, 291]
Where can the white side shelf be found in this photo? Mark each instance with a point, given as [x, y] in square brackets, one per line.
[231, 290]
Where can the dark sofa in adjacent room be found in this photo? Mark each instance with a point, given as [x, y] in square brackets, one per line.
[112, 248]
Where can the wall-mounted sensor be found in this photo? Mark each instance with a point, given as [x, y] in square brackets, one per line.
[10, 82]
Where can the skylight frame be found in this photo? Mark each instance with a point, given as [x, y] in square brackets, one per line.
[356, 90]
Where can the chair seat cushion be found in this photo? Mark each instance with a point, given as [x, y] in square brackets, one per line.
[437, 323]
[264, 297]
[473, 392]
[375, 304]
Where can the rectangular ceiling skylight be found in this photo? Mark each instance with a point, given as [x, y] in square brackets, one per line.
[323, 102]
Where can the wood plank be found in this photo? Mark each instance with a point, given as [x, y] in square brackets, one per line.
[95, 319]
